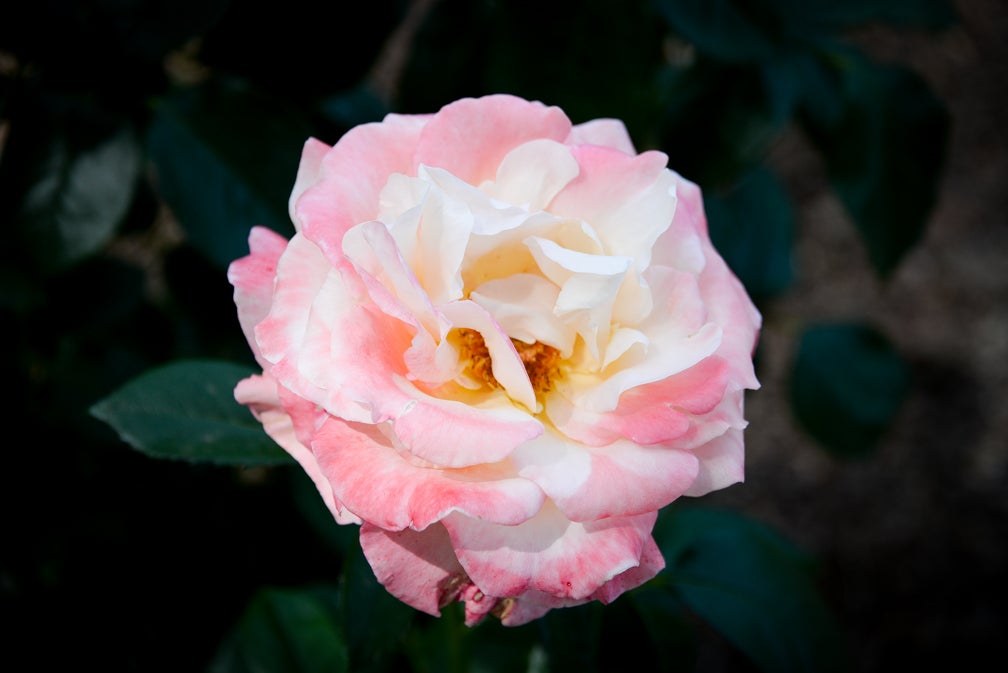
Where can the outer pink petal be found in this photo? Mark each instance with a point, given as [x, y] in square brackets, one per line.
[351, 178]
[381, 486]
[651, 563]
[621, 479]
[724, 297]
[252, 277]
[722, 458]
[531, 606]
[651, 413]
[470, 137]
[417, 567]
[309, 171]
[605, 132]
[260, 394]
[548, 553]
[729, 305]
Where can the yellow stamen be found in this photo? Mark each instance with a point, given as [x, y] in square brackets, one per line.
[542, 362]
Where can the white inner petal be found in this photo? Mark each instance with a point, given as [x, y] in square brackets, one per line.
[632, 228]
[533, 173]
[523, 305]
[589, 285]
[622, 340]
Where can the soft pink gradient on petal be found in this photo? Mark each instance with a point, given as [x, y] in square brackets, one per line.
[722, 459]
[548, 553]
[651, 563]
[260, 394]
[620, 479]
[252, 277]
[730, 306]
[383, 487]
[724, 297]
[648, 414]
[351, 177]
[487, 128]
[532, 605]
[417, 567]
[604, 132]
[309, 171]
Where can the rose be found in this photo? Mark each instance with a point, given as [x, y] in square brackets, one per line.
[500, 343]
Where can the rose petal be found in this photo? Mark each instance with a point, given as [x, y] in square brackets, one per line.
[398, 293]
[252, 277]
[679, 246]
[506, 365]
[382, 487]
[309, 171]
[605, 132]
[722, 458]
[352, 176]
[260, 394]
[488, 128]
[649, 414]
[417, 567]
[730, 306]
[531, 174]
[548, 553]
[651, 563]
[678, 337]
[522, 305]
[619, 479]
[614, 189]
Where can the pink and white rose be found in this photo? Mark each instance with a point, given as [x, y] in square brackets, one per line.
[499, 343]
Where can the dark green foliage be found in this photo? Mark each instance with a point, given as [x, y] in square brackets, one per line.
[285, 631]
[753, 586]
[847, 384]
[186, 411]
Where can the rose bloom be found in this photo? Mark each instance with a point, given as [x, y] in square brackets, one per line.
[500, 343]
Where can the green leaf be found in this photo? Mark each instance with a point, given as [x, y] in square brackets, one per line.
[469, 48]
[186, 410]
[802, 81]
[226, 159]
[718, 122]
[846, 386]
[726, 30]
[352, 107]
[374, 621]
[751, 585]
[446, 645]
[752, 227]
[884, 154]
[669, 626]
[733, 31]
[829, 16]
[572, 637]
[79, 198]
[285, 631]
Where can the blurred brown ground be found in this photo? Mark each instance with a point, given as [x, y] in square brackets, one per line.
[913, 540]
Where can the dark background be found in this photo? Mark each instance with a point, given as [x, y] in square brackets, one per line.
[113, 559]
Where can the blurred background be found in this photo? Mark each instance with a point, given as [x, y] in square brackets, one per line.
[853, 160]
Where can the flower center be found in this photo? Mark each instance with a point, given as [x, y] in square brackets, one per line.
[542, 362]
